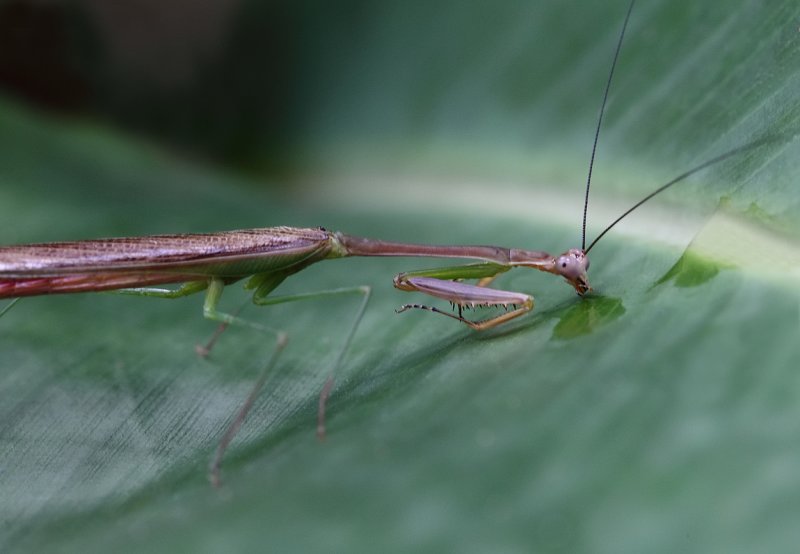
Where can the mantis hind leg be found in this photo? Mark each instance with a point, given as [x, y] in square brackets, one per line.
[365, 292]
[184, 290]
[8, 306]
[261, 298]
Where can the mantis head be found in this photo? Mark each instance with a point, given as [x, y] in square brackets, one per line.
[572, 266]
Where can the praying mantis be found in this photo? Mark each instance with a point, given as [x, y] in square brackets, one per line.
[266, 257]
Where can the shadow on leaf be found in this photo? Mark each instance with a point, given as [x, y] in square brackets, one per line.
[690, 270]
[587, 316]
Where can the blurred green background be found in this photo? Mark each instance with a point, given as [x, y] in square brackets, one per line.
[660, 414]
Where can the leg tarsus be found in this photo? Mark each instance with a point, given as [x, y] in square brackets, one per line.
[476, 325]
[204, 350]
[323, 400]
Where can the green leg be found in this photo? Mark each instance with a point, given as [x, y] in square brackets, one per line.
[365, 291]
[261, 298]
[262, 284]
[8, 306]
[185, 289]
[204, 350]
[479, 271]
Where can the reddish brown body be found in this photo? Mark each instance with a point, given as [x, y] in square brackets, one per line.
[120, 263]
[117, 263]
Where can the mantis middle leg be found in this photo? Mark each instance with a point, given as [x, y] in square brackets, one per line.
[261, 298]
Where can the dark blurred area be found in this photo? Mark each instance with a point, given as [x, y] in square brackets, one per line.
[207, 78]
[257, 85]
[38, 61]
[310, 89]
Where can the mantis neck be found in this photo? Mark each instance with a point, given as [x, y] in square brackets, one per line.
[358, 246]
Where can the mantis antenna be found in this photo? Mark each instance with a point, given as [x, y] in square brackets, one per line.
[724, 156]
[730, 153]
[600, 121]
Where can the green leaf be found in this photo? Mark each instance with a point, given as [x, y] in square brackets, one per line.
[658, 414]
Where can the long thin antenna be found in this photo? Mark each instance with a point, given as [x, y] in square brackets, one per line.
[600, 121]
[681, 177]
